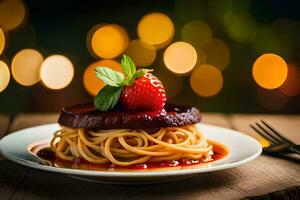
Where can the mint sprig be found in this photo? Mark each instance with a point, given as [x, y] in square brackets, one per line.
[108, 96]
[109, 76]
[128, 67]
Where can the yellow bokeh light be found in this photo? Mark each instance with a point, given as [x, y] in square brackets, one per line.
[91, 83]
[291, 87]
[143, 54]
[4, 75]
[156, 29]
[197, 33]
[269, 71]
[56, 72]
[217, 54]
[12, 14]
[89, 37]
[109, 41]
[25, 67]
[180, 58]
[2, 41]
[206, 80]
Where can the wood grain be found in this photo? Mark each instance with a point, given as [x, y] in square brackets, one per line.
[215, 119]
[286, 125]
[262, 176]
[22, 121]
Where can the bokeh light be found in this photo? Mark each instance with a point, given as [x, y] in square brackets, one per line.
[217, 54]
[91, 83]
[291, 87]
[12, 14]
[240, 27]
[180, 58]
[109, 41]
[56, 72]
[269, 71]
[171, 83]
[206, 80]
[25, 67]
[156, 29]
[2, 41]
[89, 37]
[143, 54]
[4, 75]
[197, 33]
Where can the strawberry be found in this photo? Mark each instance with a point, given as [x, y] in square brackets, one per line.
[146, 93]
[137, 90]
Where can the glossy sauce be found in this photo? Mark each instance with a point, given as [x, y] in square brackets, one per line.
[220, 152]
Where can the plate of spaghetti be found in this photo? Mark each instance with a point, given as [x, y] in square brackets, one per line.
[129, 135]
[220, 149]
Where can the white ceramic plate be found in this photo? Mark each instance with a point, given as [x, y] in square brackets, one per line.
[242, 149]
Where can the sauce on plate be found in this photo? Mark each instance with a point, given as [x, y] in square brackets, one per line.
[46, 154]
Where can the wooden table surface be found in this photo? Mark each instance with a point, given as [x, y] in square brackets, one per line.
[262, 176]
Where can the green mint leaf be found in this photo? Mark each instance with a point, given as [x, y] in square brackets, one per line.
[128, 67]
[107, 98]
[109, 76]
[141, 72]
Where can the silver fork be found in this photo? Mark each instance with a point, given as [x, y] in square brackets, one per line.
[277, 140]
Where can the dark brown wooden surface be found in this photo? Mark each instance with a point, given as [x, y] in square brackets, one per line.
[262, 176]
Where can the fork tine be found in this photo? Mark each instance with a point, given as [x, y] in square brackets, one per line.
[276, 132]
[261, 133]
[274, 139]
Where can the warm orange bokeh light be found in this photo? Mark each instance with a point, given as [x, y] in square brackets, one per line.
[269, 71]
[89, 37]
[217, 54]
[206, 80]
[56, 72]
[91, 83]
[291, 87]
[180, 58]
[156, 29]
[109, 41]
[2, 41]
[143, 54]
[12, 14]
[197, 33]
[4, 75]
[25, 67]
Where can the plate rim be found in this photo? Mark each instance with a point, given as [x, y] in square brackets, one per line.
[130, 174]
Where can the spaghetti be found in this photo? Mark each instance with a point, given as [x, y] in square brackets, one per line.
[125, 147]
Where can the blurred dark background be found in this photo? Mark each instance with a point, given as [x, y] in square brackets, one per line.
[60, 27]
